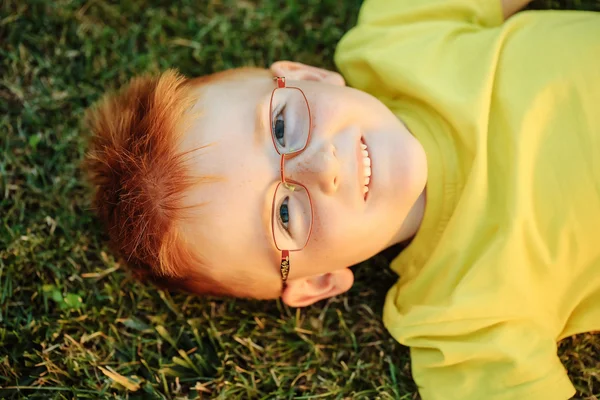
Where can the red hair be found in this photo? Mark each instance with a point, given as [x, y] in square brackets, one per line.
[140, 178]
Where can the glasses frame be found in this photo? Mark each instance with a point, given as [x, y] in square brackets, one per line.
[284, 267]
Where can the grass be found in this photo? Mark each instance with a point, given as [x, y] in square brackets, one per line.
[72, 324]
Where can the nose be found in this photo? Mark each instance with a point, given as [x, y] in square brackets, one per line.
[319, 167]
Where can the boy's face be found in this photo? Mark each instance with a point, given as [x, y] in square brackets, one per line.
[233, 228]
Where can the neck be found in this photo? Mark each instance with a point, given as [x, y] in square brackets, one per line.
[411, 224]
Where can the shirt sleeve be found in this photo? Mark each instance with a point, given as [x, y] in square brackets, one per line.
[484, 358]
[486, 13]
[440, 53]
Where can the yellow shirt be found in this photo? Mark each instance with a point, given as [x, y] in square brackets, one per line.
[507, 259]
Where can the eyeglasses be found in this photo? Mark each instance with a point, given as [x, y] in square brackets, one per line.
[292, 211]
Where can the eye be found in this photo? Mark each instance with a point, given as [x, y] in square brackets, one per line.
[279, 127]
[284, 214]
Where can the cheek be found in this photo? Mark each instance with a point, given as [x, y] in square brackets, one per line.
[337, 230]
[333, 248]
[330, 109]
[353, 236]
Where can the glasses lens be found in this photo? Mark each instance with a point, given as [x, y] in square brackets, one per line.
[291, 216]
[290, 120]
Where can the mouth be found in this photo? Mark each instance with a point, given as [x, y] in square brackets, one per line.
[364, 168]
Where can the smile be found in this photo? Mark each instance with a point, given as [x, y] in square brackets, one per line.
[366, 168]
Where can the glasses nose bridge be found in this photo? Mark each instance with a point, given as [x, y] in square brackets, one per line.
[320, 167]
[282, 168]
[282, 160]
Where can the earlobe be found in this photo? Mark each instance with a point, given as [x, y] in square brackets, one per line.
[303, 292]
[302, 72]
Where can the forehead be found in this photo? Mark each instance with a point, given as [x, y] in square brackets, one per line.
[236, 150]
[228, 127]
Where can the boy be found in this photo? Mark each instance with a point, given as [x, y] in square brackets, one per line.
[479, 140]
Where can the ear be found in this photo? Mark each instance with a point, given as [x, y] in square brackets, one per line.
[302, 72]
[303, 292]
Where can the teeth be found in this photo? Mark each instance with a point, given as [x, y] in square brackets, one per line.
[366, 167]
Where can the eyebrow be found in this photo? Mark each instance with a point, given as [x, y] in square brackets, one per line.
[260, 134]
[260, 130]
[266, 216]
